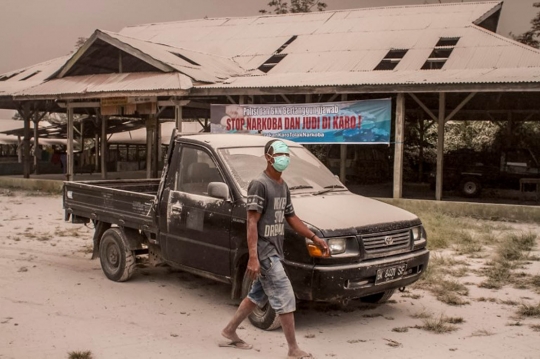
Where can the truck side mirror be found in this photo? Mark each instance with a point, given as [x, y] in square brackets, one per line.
[218, 190]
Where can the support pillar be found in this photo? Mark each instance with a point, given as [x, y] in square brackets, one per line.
[70, 160]
[343, 155]
[83, 157]
[398, 147]
[440, 146]
[26, 141]
[104, 148]
[157, 146]
[149, 141]
[37, 152]
[421, 129]
[96, 151]
[178, 117]
[19, 149]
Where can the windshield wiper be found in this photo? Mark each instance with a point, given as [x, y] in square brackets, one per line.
[302, 186]
[328, 189]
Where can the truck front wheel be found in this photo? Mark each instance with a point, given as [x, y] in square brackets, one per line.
[470, 187]
[264, 318]
[378, 298]
[117, 260]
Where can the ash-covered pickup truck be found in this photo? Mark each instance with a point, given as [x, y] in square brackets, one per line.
[194, 219]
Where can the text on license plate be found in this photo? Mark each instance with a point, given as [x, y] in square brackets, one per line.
[390, 273]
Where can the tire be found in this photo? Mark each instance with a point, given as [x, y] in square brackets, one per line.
[470, 187]
[263, 318]
[117, 260]
[379, 298]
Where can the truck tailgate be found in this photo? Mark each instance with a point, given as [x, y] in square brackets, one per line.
[127, 203]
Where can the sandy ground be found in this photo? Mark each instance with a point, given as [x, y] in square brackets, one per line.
[54, 299]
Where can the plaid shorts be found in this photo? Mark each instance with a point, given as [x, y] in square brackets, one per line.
[273, 286]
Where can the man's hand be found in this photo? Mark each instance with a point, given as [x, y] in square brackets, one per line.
[253, 268]
[322, 245]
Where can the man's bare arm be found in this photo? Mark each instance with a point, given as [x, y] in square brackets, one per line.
[253, 266]
[299, 226]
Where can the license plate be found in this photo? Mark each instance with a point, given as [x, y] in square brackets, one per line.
[390, 273]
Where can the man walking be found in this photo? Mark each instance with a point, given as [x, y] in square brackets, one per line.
[268, 205]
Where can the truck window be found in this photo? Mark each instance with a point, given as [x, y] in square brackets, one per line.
[197, 170]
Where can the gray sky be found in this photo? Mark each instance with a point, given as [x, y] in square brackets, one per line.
[38, 30]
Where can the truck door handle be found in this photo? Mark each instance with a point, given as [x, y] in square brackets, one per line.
[176, 208]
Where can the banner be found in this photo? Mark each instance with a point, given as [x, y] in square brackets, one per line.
[353, 122]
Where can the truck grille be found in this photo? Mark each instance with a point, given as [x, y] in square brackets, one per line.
[385, 242]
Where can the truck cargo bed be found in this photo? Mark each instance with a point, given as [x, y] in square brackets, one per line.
[128, 203]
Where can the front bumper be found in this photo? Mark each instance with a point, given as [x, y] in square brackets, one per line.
[337, 282]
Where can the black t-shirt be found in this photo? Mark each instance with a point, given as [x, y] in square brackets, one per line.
[273, 201]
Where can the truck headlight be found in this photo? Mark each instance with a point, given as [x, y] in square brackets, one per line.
[417, 233]
[337, 245]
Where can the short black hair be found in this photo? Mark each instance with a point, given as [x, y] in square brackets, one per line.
[268, 147]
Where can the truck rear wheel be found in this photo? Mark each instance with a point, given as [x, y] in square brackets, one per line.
[379, 298]
[117, 260]
[470, 187]
[264, 318]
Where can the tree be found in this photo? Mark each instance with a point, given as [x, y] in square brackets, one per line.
[532, 36]
[296, 6]
[80, 41]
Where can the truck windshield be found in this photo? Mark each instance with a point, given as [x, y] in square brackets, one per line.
[305, 173]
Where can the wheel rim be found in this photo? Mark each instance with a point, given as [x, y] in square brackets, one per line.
[470, 187]
[260, 312]
[112, 256]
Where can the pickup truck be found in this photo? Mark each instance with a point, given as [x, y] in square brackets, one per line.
[470, 171]
[194, 219]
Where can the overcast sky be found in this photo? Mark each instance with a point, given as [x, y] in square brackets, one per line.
[38, 30]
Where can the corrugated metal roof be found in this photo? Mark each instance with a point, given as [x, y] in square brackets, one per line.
[212, 68]
[259, 34]
[17, 83]
[366, 78]
[95, 84]
[331, 48]
[348, 43]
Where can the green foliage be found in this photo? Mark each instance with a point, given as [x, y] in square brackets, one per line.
[80, 355]
[531, 36]
[296, 6]
[478, 135]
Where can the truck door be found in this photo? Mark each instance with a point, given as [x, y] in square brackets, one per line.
[198, 226]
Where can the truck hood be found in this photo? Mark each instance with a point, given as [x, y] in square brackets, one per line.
[345, 213]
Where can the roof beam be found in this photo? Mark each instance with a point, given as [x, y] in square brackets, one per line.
[78, 104]
[459, 107]
[423, 106]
